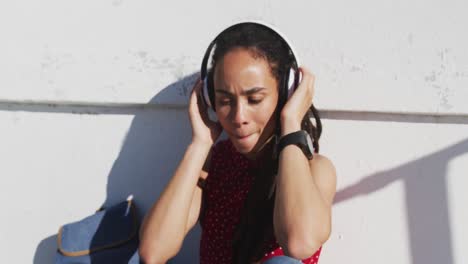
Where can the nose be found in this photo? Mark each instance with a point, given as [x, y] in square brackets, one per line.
[239, 114]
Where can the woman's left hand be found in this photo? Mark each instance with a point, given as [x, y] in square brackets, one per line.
[298, 104]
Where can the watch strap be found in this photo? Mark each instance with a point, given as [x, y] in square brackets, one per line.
[298, 138]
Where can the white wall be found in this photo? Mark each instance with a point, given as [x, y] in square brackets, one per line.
[93, 108]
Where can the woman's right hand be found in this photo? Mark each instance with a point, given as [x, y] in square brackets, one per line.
[204, 130]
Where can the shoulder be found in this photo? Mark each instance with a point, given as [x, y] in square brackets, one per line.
[324, 173]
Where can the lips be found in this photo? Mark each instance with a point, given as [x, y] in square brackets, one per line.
[241, 136]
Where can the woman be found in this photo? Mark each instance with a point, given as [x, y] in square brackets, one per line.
[256, 202]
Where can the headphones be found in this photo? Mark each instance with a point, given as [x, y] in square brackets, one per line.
[288, 83]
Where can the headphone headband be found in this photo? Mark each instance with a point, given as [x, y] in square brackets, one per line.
[204, 66]
[288, 82]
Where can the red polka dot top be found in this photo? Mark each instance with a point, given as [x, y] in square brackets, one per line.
[225, 190]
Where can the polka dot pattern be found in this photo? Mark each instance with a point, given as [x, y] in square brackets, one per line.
[225, 191]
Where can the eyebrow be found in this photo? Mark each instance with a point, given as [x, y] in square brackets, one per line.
[247, 92]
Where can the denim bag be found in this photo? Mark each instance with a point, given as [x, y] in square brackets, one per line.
[108, 236]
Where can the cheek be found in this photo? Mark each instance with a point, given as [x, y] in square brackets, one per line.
[265, 114]
[222, 114]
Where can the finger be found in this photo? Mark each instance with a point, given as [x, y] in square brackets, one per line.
[308, 78]
[308, 81]
[200, 102]
[196, 93]
[307, 75]
[196, 84]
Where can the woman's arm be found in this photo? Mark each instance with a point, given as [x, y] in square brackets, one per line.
[305, 189]
[177, 209]
[304, 196]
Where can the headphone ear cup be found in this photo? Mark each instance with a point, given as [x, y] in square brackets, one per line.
[292, 82]
[283, 92]
[209, 90]
[289, 84]
[205, 96]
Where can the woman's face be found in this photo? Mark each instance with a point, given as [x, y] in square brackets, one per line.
[246, 96]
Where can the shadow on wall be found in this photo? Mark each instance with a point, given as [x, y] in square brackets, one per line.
[152, 149]
[154, 145]
[427, 206]
[156, 141]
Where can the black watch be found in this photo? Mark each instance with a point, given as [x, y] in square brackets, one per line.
[300, 138]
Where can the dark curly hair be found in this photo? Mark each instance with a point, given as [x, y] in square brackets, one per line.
[254, 233]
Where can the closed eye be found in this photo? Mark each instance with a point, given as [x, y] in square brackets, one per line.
[224, 102]
[223, 99]
[255, 101]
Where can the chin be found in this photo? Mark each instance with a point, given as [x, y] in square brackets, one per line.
[244, 146]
